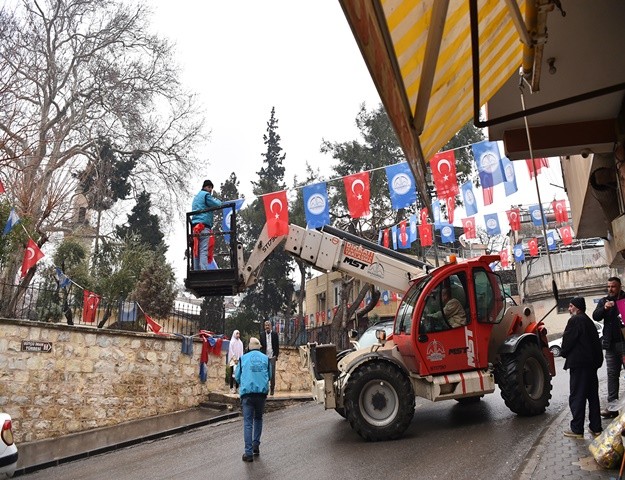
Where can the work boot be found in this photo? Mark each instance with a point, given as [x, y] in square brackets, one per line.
[247, 458]
[256, 451]
[572, 434]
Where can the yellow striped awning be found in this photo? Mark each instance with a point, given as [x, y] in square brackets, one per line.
[419, 55]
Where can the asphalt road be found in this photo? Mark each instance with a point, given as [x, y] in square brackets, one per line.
[445, 440]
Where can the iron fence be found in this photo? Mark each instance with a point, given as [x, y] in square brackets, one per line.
[58, 305]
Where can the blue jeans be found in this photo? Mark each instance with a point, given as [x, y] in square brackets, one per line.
[201, 261]
[253, 408]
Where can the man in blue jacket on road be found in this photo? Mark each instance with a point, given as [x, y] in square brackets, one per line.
[252, 374]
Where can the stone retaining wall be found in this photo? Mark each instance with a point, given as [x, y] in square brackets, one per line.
[93, 378]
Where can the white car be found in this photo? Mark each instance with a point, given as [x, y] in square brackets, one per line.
[8, 449]
[556, 345]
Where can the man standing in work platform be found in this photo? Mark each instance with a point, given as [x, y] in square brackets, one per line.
[612, 341]
[202, 225]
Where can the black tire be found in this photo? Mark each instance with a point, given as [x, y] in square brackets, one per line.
[469, 400]
[524, 380]
[341, 411]
[379, 401]
[555, 350]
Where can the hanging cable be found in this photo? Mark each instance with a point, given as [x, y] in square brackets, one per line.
[554, 287]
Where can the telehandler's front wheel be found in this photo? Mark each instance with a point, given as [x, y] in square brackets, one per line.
[379, 401]
[524, 380]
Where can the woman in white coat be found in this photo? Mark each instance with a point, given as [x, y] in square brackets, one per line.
[234, 353]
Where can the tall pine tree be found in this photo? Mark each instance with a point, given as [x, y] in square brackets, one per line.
[273, 293]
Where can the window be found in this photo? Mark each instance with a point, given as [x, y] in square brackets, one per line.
[489, 301]
[403, 323]
[446, 305]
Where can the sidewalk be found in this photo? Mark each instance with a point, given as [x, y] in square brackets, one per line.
[552, 457]
[555, 456]
[48, 453]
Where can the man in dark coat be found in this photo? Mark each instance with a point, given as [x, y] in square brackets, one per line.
[612, 340]
[270, 346]
[582, 350]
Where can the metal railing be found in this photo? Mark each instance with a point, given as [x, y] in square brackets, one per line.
[39, 303]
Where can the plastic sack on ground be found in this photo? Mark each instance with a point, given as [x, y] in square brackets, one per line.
[607, 448]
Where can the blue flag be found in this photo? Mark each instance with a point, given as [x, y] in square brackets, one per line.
[401, 185]
[226, 220]
[519, 256]
[316, 205]
[380, 235]
[127, 311]
[488, 162]
[394, 235]
[11, 221]
[537, 218]
[63, 279]
[436, 213]
[470, 205]
[509, 176]
[386, 297]
[447, 233]
[551, 241]
[413, 228]
[492, 224]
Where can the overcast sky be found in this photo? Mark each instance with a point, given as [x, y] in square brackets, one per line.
[245, 57]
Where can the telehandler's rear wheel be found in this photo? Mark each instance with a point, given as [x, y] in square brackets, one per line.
[341, 411]
[379, 401]
[524, 380]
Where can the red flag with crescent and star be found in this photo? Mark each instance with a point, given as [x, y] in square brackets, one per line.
[450, 202]
[357, 192]
[443, 166]
[277, 213]
[533, 246]
[32, 255]
[559, 208]
[514, 219]
[1, 187]
[488, 195]
[152, 325]
[468, 224]
[423, 215]
[566, 234]
[539, 164]
[385, 238]
[503, 255]
[90, 302]
[425, 234]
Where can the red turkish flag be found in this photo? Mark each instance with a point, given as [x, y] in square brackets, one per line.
[487, 193]
[1, 187]
[514, 219]
[566, 234]
[425, 233]
[423, 215]
[451, 206]
[443, 166]
[385, 240]
[503, 255]
[533, 246]
[32, 255]
[277, 213]
[90, 302]
[152, 325]
[468, 224]
[539, 163]
[357, 192]
[559, 208]
[403, 233]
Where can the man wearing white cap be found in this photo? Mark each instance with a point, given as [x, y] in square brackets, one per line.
[252, 374]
